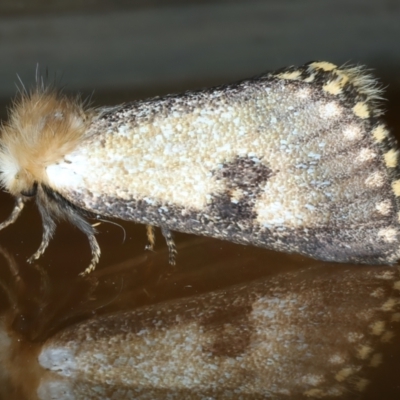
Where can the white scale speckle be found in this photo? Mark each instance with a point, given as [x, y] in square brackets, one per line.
[330, 110]
[365, 155]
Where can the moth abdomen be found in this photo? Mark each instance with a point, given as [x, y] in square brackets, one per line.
[296, 160]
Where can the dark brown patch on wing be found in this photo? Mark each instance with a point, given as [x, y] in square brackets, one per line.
[227, 209]
[232, 332]
[245, 173]
[243, 179]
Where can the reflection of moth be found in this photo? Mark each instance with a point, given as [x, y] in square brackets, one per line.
[316, 333]
[297, 160]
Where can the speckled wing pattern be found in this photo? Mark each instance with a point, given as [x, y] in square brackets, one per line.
[296, 160]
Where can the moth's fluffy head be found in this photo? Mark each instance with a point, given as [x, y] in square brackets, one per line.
[43, 127]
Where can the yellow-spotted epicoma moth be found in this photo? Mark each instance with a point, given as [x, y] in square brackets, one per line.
[295, 160]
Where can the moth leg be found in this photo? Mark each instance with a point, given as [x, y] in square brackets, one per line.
[49, 226]
[18, 207]
[151, 238]
[170, 243]
[76, 219]
[95, 249]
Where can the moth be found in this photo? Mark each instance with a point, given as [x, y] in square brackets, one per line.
[297, 160]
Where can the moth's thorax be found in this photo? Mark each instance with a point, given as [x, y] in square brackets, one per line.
[43, 126]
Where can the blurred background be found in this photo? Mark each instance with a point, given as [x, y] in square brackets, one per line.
[136, 48]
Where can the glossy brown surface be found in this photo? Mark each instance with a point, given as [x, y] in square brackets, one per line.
[37, 304]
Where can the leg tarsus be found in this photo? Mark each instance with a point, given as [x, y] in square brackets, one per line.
[77, 220]
[170, 244]
[95, 248]
[49, 227]
[18, 207]
[151, 238]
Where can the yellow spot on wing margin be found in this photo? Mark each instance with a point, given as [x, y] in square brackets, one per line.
[379, 133]
[364, 352]
[332, 87]
[389, 304]
[361, 110]
[378, 327]
[343, 78]
[391, 158]
[324, 65]
[396, 187]
[343, 374]
[290, 75]
[310, 78]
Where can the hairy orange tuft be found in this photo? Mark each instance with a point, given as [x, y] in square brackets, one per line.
[43, 126]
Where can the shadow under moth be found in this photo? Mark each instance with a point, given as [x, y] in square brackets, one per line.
[296, 160]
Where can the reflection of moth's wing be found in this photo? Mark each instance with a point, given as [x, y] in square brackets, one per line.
[317, 332]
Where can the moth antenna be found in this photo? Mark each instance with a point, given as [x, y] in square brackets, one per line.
[170, 243]
[19, 205]
[113, 223]
[49, 227]
[151, 237]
